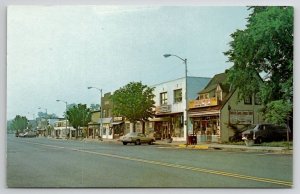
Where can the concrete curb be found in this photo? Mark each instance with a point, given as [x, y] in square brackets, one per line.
[222, 147]
[230, 148]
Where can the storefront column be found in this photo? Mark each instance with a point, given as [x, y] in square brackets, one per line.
[131, 127]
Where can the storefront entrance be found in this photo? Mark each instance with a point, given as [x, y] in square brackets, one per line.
[206, 128]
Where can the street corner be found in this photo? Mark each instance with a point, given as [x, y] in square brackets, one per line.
[198, 147]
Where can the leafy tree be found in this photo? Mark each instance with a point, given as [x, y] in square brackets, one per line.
[95, 107]
[277, 106]
[265, 48]
[78, 116]
[47, 116]
[135, 102]
[19, 123]
[71, 105]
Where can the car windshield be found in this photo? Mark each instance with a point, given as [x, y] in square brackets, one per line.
[130, 134]
[251, 127]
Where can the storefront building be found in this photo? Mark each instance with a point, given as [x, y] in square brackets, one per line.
[217, 114]
[170, 106]
[62, 129]
[93, 126]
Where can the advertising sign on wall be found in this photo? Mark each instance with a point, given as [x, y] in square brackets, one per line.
[241, 117]
[203, 103]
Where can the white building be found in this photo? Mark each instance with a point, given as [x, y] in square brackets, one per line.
[61, 131]
[170, 102]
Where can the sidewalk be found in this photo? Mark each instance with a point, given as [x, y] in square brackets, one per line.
[226, 147]
[208, 146]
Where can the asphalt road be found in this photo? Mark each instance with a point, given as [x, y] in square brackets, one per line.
[42, 162]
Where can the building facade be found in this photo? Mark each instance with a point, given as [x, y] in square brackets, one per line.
[217, 113]
[93, 126]
[62, 129]
[170, 107]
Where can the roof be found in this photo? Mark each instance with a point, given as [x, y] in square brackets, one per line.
[218, 79]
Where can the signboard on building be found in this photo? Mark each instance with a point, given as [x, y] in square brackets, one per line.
[118, 119]
[163, 109]
[203, 103]
[241, 117]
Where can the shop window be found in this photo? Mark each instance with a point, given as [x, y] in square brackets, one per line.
[178, 96]
[257, 99]
[248, 100]
[163, 98]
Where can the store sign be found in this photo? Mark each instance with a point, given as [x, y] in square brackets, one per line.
[163, 109]
[118, 118]
[203, 103]
[241, 117]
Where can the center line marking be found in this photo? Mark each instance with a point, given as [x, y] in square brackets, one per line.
[202, 170]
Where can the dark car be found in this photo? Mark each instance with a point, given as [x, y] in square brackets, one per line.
[266, 133]
[136, 138]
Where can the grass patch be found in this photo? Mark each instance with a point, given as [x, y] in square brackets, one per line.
[234, 143]
[265, 144]
[277, 144]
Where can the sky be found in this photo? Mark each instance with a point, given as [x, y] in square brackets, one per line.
[56, 52]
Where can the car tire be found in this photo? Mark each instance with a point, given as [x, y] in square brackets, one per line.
[258, 140]
[124, 143]
[151, 142]
[137, 142]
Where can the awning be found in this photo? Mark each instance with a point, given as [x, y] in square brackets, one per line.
[117, 123]
[159, 119]
[93, 123]
[204, 113]
[105, 120]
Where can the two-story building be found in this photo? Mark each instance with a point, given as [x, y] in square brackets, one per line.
[113, 126]
[93, 125]
[217, 112]
[62, 129]
[170, 102]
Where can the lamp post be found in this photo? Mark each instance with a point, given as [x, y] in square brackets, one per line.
[186, 92]
[101, 110]
[46, 116]
[66, 116]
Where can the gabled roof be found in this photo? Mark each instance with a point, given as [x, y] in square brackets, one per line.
[218, 79]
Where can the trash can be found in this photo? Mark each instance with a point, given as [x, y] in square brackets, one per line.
[192, 139]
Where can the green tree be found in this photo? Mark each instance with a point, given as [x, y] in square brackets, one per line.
[95, 107]
[265, 48]
[19, 123]
[79, 116]
[135, 102]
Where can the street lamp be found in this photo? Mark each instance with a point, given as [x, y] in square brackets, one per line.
[186, 92]
[46, 117]
[66, 116]
[101, 111]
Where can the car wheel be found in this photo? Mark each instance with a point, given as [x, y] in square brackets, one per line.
[124, 143]
[137, 142]
[258, 140]
[151, 142]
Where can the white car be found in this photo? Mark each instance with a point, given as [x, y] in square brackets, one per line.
[136, 138]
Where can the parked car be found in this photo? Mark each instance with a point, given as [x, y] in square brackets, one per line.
[136, 138]
[266, 133]
[20, 134]
[28, 134]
